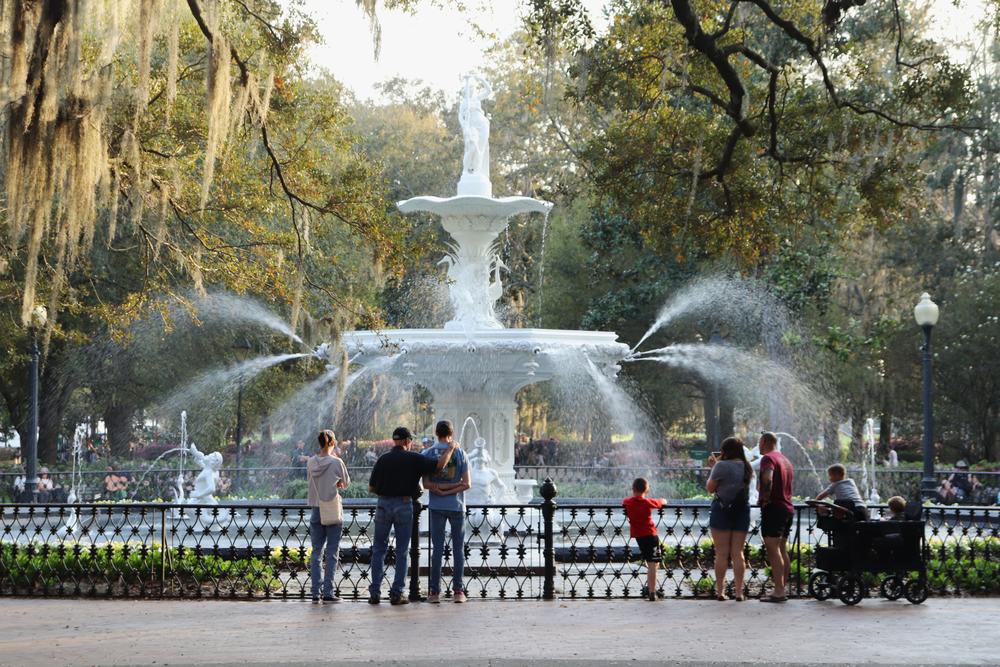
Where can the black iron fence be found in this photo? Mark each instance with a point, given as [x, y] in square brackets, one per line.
[158, 484]
[546, 550]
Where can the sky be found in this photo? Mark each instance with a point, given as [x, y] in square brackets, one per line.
[438, 46]
[432, 44]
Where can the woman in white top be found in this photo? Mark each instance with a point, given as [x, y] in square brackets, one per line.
[327, 474]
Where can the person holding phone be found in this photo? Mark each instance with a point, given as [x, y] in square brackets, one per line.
[729, 518]
[327, 475]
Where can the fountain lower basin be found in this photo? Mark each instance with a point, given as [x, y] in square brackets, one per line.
[477, 373]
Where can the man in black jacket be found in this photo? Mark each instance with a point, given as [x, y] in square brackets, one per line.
[395, 479]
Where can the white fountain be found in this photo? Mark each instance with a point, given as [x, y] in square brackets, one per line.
[475, 366]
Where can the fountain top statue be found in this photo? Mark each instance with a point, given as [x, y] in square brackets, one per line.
[476, 133]
[474, 218]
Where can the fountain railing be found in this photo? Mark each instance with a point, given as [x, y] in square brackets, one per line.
[146, 550]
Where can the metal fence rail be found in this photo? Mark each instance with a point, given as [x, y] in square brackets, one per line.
[158, 484]
[512, 552]
[257, 483]
[681, 482]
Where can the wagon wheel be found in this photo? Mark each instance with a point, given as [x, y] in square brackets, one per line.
[820, 586]
[892, 587]
[852, 589]
[915, 590]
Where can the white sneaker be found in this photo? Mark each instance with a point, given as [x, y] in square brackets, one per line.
[434, 598]
[460, 597]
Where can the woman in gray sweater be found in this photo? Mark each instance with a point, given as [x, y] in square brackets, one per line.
[729, 519]
[327, 474]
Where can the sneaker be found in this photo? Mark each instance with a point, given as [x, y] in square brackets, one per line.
[460, 597]
[374, 599]
[332, 599]
[434, 598]
[315, 599]
[396, 600]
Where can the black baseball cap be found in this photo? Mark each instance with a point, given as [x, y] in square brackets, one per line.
[402, 433]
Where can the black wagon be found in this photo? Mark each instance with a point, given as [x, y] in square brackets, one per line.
[859, 552]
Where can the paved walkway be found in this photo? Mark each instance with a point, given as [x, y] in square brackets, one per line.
[497, 633]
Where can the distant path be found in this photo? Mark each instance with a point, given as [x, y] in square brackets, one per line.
[497, 633]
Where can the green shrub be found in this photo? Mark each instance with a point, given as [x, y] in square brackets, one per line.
[43, 567]
[705, 586]
[297, 488]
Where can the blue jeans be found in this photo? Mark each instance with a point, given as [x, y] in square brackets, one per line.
[438, 520]
[395, 514]
[330, 536]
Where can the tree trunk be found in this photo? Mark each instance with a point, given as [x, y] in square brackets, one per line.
[727, 415]
[17, 409]
[55, 390]
[831, 437]
[118, 422]
[857, 433]
[266, 432]
[50, 414]
[885, 432]
[710, 409]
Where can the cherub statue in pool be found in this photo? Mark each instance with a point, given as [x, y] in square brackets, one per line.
[206, 483]
[487, 487]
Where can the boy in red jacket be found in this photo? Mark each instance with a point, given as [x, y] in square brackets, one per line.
[639, 509]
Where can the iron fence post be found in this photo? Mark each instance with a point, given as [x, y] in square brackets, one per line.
[415, 552]
[163, 551]
[798, 551]
[548, 492]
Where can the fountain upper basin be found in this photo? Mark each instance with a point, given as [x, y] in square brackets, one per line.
[474, 206]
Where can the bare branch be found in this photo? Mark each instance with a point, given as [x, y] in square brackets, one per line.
[813, 50]
[727, 24]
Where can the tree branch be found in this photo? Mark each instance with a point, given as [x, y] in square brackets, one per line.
[813, 50]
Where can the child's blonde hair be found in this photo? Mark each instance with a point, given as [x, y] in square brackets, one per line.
[897, 504]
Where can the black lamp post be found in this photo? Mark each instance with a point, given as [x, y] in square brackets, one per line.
[926, 315]
[39, 316]
[242, 352]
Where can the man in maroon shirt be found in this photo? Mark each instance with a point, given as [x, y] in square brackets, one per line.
[776, 512]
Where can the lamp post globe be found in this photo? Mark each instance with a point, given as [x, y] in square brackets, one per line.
[926, 314]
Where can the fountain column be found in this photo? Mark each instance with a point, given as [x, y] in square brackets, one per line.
[495, 417]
